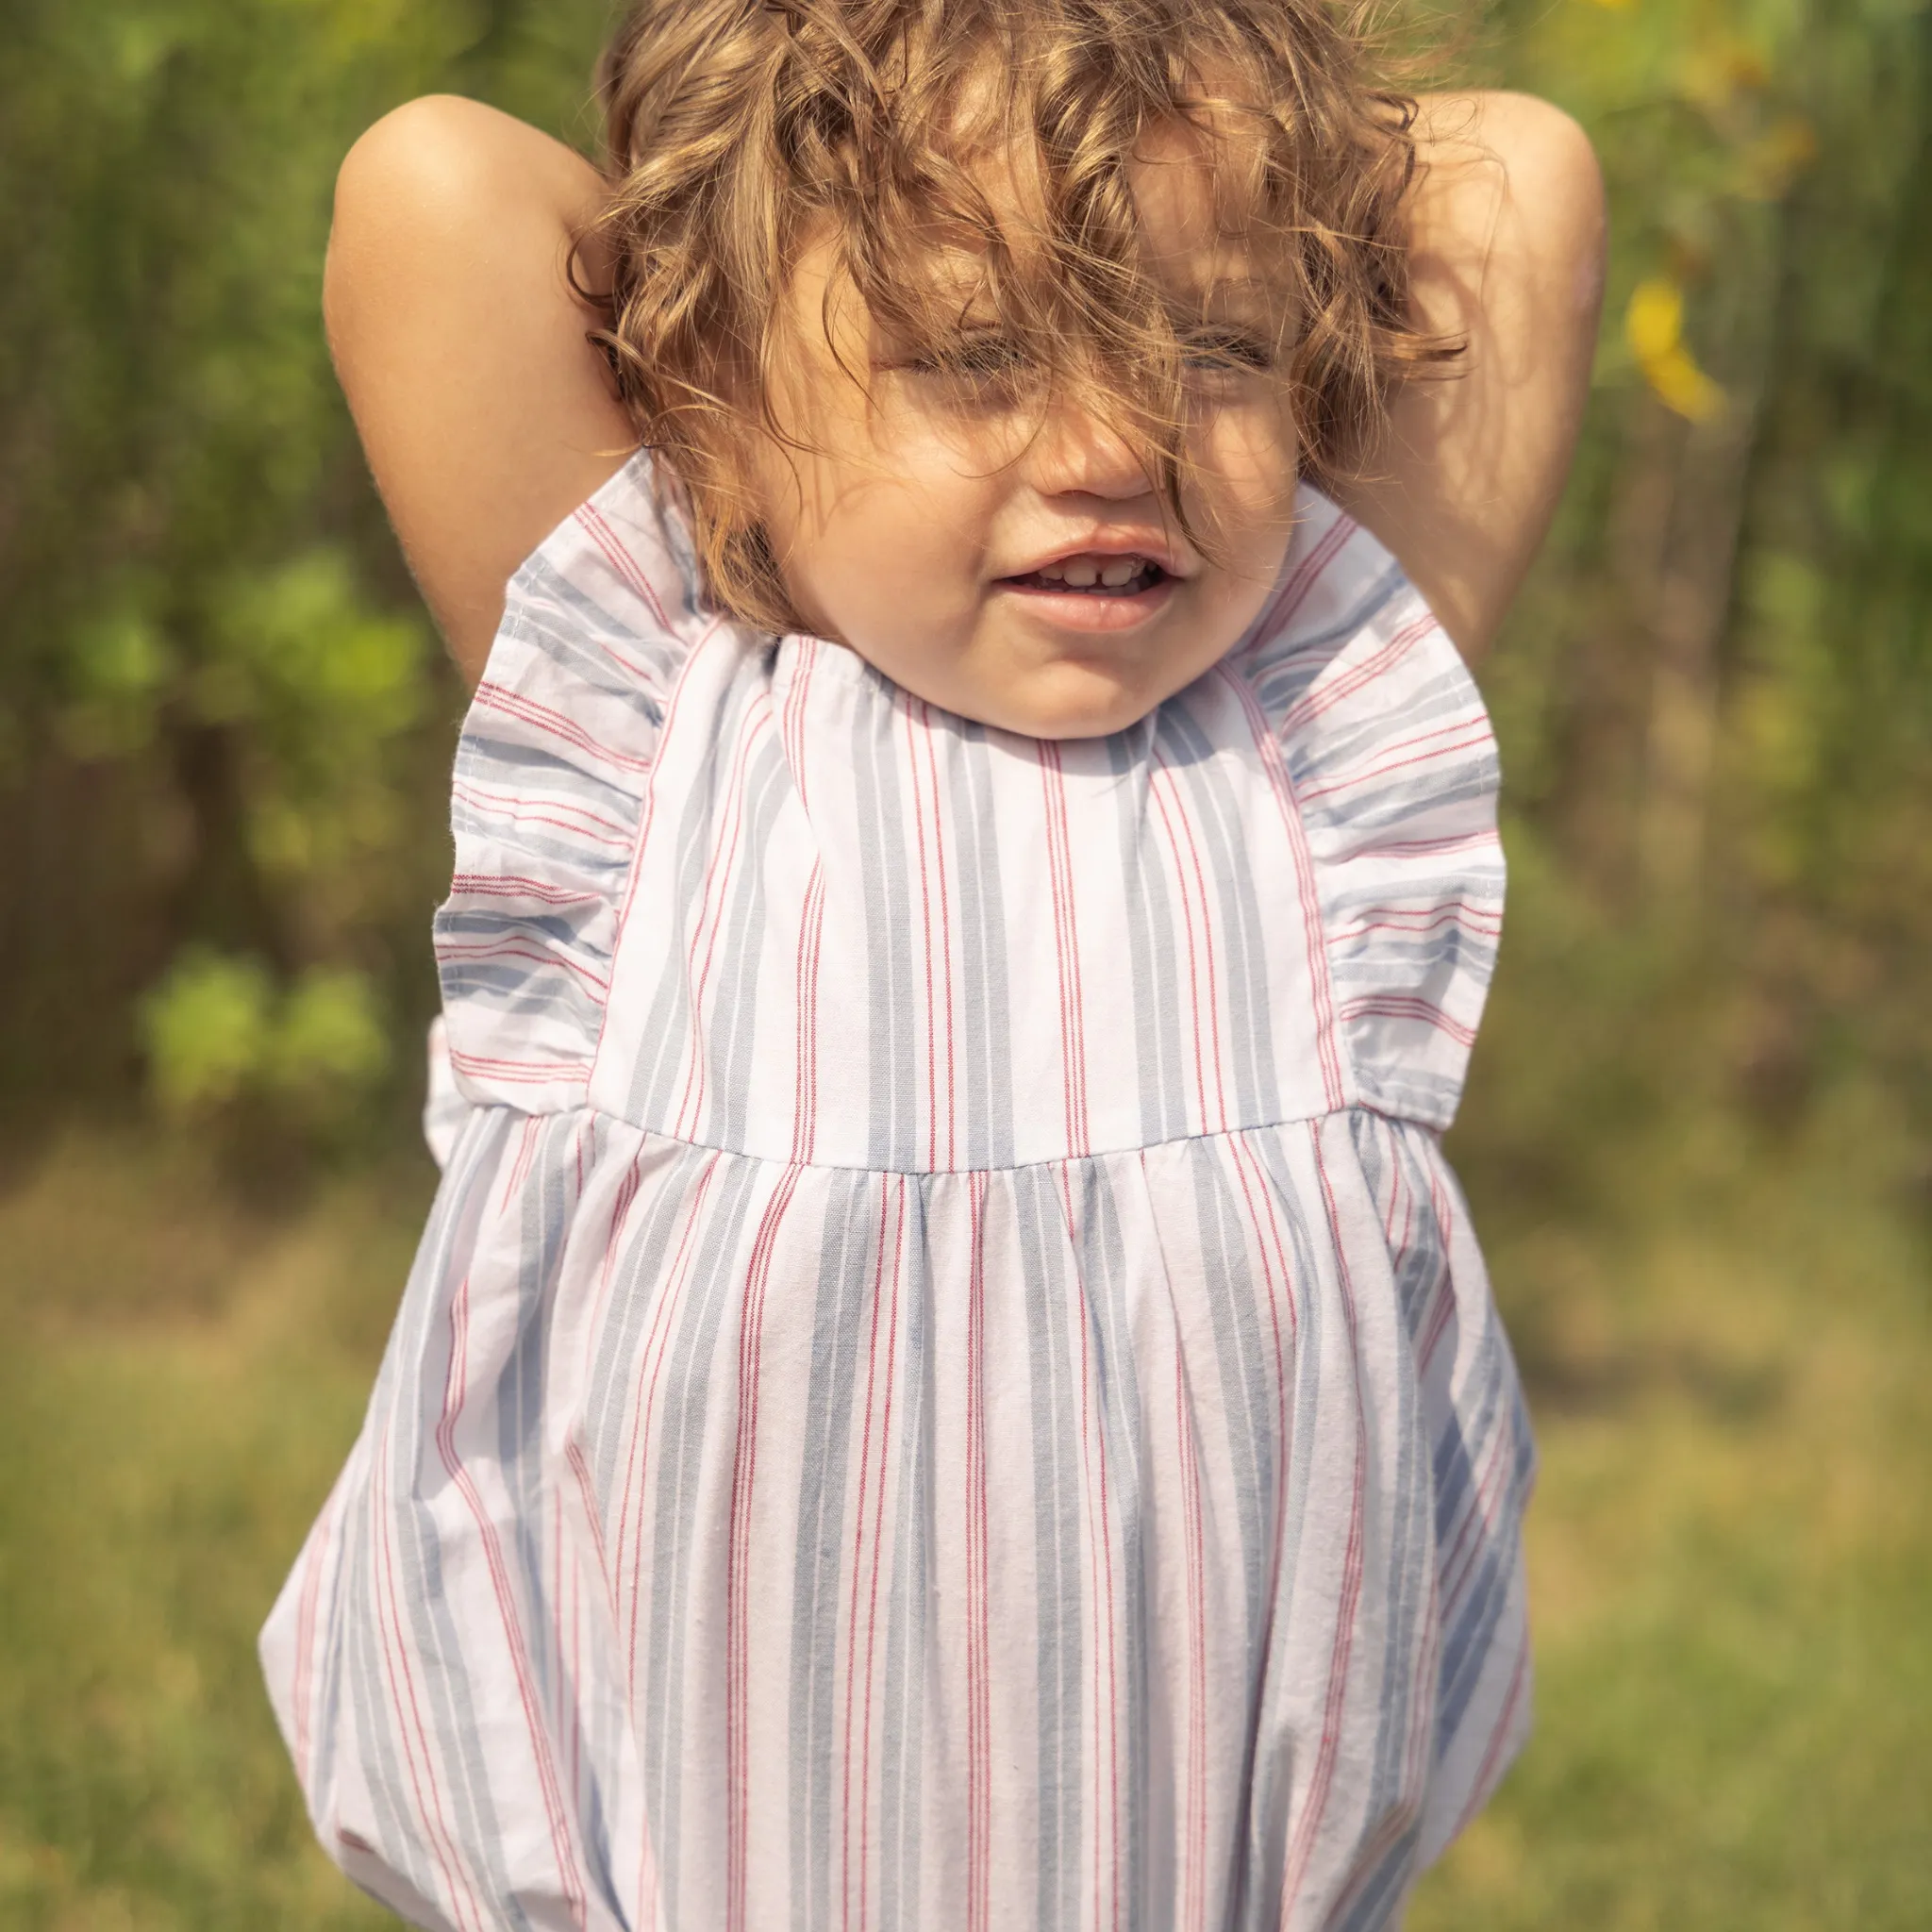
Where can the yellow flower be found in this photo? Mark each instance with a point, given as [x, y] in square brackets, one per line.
[1654, 328]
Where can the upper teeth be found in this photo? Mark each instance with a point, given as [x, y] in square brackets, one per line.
[1083, 573]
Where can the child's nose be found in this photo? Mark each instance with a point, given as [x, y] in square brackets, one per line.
[1075, 454]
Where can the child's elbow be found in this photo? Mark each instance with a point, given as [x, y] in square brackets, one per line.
[415, 181]
[440, 193]
[1571, 173]
[1556, 184]
[431, 143]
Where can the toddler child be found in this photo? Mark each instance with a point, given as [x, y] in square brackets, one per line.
[948, 1383]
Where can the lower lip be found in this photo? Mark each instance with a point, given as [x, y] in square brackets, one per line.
[1092, 610]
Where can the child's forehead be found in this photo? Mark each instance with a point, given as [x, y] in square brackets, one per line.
[1194, 220]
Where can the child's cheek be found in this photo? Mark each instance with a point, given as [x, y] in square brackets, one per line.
[1246, 462]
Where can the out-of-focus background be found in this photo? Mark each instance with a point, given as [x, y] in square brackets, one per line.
[1700, 1135]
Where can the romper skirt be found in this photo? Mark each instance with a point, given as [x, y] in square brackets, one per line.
[948, 1383]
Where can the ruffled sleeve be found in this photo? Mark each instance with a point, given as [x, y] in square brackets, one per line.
[551, 774]
[1393, 768]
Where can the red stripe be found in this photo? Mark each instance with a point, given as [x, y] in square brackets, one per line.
[720, 868]
[1486, 1772]
[567, 1681]
[805, 1079]
[1216, 1121]
[1454, 841]
[852, 1664]
[1313, 938]
[1349, 1603]
[938, 841]
[1420, 921]
[949, 1058]
[587, 1492]
[527, 1133]
[555, 1815]
[1195, 1838]
[978, 1615]
[555, 724]
[565, 817]
[804, 660]
[463, 1900]
[1334, 685]
[931, 1011]
[513, 946]
[321, 1543]
[1403, 1006]
[590, 519]
[515, 1070]
[1279, 1282]
[1478, 736]
[643, 1404]
[1193, 952]
[1066, 943]
[509, 886]
[1100, 1572]
[738, 1585]
[1295, 593]
[641, 837]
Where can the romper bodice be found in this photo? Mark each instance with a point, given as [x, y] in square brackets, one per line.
[750, 895]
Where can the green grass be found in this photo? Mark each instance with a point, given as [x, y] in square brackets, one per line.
[1731, 1545]
[1730, 1554]
[177, 1382]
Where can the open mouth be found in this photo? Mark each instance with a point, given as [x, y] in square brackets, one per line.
[1094, 576]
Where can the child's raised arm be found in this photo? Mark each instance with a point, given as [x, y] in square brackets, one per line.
[487, 418]
[1509, 253]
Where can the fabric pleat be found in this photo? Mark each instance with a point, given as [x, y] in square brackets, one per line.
[948, 1382]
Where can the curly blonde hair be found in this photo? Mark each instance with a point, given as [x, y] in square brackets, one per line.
[740, 132]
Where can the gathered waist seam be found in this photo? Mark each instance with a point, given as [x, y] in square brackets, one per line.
[1051, 1160]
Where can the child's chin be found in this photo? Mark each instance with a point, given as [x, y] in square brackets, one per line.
[1072, 701]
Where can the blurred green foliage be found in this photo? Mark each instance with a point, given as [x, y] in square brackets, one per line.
[224, 721]
[216, 1034]
[1699, 1136]
[1715, 700]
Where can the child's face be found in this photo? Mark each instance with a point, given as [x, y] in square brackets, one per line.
[1009, 560]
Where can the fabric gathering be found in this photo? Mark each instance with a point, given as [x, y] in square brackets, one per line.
[949, 1381]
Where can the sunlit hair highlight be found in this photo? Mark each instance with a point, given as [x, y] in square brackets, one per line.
[741, 132]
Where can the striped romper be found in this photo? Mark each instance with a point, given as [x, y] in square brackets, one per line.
[948, 1384]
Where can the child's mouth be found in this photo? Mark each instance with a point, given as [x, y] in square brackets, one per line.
[1094, 576]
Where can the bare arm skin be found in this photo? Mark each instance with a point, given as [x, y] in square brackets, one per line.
[487, 418]
[1508, 255]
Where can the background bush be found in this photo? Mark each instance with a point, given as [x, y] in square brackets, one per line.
[1699, 1135]
[224, 723]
